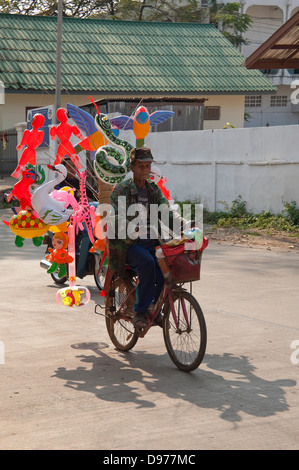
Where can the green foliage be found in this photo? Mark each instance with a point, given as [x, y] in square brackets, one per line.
[233, 23]
[236, 215]
[292, 212]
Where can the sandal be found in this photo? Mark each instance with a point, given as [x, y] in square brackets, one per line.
[159, 320]
[140, 321]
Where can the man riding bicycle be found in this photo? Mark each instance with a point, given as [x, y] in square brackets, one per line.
[134, 242]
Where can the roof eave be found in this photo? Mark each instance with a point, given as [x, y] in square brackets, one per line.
[254, 61]
[144, 94]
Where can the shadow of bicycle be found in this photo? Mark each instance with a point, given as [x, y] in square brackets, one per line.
[226, 383]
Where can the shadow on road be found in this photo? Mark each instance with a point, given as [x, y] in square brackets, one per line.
[226, 383]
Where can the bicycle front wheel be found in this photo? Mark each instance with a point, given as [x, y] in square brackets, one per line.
[185, 333]
[119, 304]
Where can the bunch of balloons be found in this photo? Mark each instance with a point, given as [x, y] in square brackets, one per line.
[43, 207]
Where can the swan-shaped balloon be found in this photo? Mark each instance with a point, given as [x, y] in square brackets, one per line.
[50, 210]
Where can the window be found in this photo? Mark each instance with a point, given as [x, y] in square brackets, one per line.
[278, 100]
[270, 71]
[253, 101]
[212, 113]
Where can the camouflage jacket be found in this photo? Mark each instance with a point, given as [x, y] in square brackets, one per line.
[123, 196]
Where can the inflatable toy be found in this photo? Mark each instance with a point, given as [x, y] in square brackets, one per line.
[141, 122]
[59, 256]
[86, 213]
[94, 138]
[49, 209]
[72, 296]
[25, 224]
[31, 139]
[66, 196]
[21, 191]
[110, 165]
[64, 132]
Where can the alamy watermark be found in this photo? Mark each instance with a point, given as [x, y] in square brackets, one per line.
[295, 93]
[139, 221]
[2, 93]
[295, 353]
[2, 353]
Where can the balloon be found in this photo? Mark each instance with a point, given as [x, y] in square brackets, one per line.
[59, 228]
[32, 139]
[72, 252]
[141, 121]
[165, 191]
[65, 195]
[59, 256]
[85, 122]
[72, 296]
[64, 131]
[21, 191]
[99, 245]
[26, 225]
[155, 174]
[77, 296]
[86, 213]
[48, 209]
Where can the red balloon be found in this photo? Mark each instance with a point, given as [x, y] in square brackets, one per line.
[32, 139]
[64, 132]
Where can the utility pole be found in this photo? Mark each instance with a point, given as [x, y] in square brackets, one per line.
[58, 59]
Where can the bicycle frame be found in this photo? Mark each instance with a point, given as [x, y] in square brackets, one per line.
[167, 292]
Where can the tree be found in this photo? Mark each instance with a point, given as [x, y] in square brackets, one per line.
[226, 17]
[231, 22]
[150, 10]
[73, 8]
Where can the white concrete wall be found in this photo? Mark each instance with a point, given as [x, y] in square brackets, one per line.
[260, 164]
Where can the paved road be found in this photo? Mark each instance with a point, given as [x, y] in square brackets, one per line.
[64, 386]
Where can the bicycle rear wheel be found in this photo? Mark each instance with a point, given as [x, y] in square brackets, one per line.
[121, 331]
[186, 341]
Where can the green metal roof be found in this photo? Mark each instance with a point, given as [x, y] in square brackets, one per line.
[128, 57]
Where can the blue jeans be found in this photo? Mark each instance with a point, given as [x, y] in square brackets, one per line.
[144, 262]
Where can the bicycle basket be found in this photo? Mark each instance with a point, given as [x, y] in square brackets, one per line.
[184, 263]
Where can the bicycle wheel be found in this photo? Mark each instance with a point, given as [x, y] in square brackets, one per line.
[186, 341]
[121, 331]
[99, 271]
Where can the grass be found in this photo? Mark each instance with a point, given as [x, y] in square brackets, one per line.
[236, 215]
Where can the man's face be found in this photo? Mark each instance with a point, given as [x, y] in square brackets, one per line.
[141, 170]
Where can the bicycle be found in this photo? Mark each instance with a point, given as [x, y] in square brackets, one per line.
[184, 326]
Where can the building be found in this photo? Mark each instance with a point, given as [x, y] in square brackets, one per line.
[274, 109]
[123, 63]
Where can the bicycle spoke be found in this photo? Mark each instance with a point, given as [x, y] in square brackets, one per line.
[185, 332]
[121, 330]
